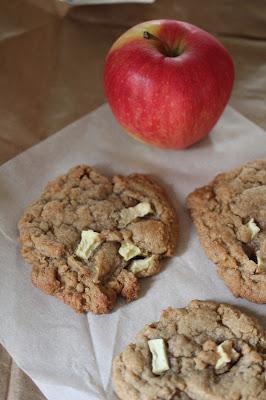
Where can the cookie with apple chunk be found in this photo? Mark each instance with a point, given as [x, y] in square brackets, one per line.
[90, 238]
[204, 351]
[230, 217]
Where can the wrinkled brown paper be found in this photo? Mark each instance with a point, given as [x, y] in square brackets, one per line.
[51, 74]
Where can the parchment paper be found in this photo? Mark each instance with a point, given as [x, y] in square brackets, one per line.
[68, 355]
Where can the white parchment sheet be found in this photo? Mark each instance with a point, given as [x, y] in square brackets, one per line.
[67, 355]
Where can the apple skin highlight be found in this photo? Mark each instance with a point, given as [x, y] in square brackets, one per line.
[168, 101]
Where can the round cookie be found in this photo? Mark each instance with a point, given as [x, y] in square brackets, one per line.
[204, 351]
[90, 239]
[230, 217]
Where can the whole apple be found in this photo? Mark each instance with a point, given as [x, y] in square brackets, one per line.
[168, 82]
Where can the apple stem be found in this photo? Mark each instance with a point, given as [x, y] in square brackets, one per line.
[150, 36]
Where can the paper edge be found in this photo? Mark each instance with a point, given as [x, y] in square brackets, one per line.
[92, 113]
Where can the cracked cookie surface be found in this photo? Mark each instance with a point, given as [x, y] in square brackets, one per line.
[230, 217]
[89, 238]
[214, 352]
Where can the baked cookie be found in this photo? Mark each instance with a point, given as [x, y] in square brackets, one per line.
[204, 351]
[230, 216]
[90, 239]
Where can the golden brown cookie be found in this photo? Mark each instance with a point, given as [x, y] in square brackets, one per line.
[204, 351]
[230, 216]
[89, 238]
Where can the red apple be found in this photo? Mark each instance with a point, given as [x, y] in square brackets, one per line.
[167, 82]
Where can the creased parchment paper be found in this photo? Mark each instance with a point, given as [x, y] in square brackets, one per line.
[67, 355]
